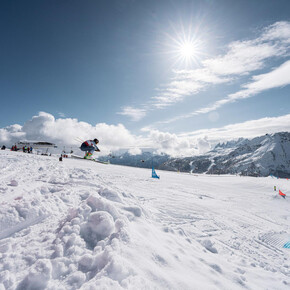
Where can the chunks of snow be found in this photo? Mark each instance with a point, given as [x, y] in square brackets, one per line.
[209, 246]
[110, 194]
[98, 227]
[135, 210]
[38, 276]
[13, 182]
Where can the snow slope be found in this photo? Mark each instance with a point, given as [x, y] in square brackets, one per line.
[77, 224]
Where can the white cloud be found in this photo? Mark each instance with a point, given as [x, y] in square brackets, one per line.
[172, 144]
[201, 141]
[66, 132]
[279, 30]
[134, 113]
[248, 129]
[186, 83]
[134, 151]
[203, 75]
[9, 133]
[278, 77]
[176, 91]
[243, 57]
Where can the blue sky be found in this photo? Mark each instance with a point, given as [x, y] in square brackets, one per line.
[168, 67]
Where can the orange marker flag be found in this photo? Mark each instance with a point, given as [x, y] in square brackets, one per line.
[282, 194]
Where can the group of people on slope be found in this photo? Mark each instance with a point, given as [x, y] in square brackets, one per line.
[27, 149]
[89, 146]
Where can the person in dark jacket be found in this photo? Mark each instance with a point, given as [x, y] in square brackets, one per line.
[90, 146]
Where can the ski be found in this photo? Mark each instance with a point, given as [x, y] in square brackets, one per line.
[91, 159]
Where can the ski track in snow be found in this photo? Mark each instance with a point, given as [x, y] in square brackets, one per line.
[82, 225]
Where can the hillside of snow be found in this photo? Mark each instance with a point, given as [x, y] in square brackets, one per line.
[79, 224]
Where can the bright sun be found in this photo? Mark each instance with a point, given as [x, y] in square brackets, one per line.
[187, 50]
[185, 46]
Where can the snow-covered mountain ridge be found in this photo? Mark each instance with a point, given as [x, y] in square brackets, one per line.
[260, 156]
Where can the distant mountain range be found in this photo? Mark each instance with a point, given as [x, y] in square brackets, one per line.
[144, 160]
[260, 156]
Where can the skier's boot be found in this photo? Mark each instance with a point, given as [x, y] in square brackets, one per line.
[88, 155]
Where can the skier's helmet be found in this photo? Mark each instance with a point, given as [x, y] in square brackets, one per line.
[96, 140]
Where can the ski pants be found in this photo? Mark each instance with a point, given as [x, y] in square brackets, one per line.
[90, 149]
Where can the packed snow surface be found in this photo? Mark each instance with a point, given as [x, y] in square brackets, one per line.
[79, 224]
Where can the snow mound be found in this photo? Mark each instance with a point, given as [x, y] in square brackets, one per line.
[93, 236]
[19, 215]
[38, 277]
[110, 194]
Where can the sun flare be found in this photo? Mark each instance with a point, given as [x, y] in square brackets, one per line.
[185, 45]
[187, 50]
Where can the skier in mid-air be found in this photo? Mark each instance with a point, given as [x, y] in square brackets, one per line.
[90, 146]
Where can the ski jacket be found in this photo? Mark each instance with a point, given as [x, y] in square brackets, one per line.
[90, 143]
